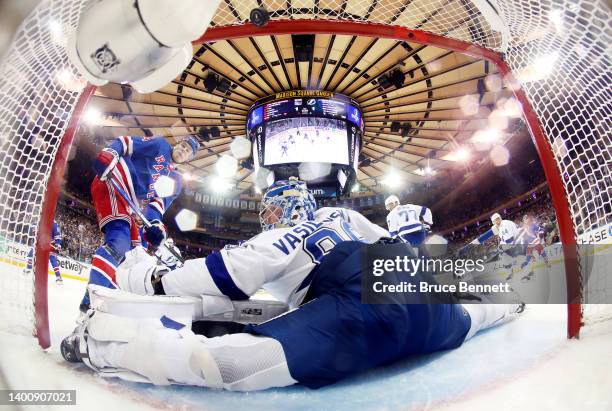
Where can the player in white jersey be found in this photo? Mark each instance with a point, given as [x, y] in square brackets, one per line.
[408, 222]
[303, 256]
[506, 230]
[508, 233]
[166, 257]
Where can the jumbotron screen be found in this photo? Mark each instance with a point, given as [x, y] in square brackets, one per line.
[306, 139]
[305, 126]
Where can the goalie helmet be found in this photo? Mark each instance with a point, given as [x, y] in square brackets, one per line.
[391, 200]
[286, 204]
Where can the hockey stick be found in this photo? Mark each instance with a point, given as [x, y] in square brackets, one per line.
[140, 215]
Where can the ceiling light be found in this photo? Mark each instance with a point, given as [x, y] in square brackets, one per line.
[226, 166]
[164, 186]
[219, 184]
[92, 116]
[462, 154]
[186, 220]
[392, 180]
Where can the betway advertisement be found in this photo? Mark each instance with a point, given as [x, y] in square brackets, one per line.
[16, 254]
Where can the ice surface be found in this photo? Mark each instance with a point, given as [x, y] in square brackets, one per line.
[527, 363]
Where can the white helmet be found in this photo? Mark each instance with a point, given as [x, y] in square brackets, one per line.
[392, 199]
[495, 217]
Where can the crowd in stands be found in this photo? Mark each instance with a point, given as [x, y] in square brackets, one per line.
[80, 233]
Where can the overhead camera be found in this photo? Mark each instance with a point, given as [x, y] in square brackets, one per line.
[145, 43]
[259, 16]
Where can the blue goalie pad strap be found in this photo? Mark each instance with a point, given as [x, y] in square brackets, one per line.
[222, 278]
[170, 323]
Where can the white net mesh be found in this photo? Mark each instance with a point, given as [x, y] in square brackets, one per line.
[559, 51]
[36, 103]
[456, 19]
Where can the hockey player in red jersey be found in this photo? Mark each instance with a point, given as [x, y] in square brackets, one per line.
[135, 164]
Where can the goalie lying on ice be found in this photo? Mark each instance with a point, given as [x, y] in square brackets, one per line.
[308, 259]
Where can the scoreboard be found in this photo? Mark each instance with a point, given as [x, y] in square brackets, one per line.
[307, 126]
[337, 107]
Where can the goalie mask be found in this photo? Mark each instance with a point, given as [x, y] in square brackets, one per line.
[286, 204]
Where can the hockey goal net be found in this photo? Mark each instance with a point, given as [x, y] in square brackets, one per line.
[554, 54]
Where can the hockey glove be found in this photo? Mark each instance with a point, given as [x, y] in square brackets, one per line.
[142, 279]
[155, 234]
[105, 161]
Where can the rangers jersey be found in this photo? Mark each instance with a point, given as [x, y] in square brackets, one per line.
[142, 161]
[531, 234]
[56, 235]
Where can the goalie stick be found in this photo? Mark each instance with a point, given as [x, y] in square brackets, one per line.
[140, 214]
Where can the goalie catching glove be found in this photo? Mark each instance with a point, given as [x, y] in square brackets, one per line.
[140, 280]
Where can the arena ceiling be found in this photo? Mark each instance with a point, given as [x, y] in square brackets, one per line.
[418, 128]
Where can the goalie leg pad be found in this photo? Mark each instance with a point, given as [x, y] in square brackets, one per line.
[126, 304]
[149, 351]
[484, 316]
[251, 311]
[165, 352]
[120, 345]
[246, 362]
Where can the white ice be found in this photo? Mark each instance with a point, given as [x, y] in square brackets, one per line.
[527, 364]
